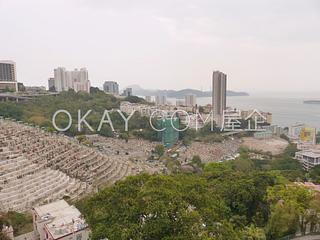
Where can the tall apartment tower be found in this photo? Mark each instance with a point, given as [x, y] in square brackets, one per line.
[8, 75]
[161, 100]
[76, 80]
[111, 87]
[219, 96]
[190, 100]
[127, 92]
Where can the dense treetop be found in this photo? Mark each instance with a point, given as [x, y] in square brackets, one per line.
[232, 200]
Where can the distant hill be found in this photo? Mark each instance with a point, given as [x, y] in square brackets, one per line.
[137, 90]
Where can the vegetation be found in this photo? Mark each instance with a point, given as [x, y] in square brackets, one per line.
[315, 174]
[21, 222]
[205, 134]
[135, 99]
[230, 200]
[40, 111]
[250, 198]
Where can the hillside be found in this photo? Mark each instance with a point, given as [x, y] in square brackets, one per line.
[39, 111]
[137, 90]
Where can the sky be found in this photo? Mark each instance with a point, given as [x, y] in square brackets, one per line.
[262, 45]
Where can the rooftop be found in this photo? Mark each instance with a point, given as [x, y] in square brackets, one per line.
[312, 153]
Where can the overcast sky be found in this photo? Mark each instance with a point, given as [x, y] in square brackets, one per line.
[262, 45]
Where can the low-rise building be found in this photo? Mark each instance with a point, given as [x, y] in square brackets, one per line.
[35, 89]
[59, 220]
[308, 158]
[267, 116]
[295, 131]
[307, 145]
[143, 109]
[263, 134]
[275, 129]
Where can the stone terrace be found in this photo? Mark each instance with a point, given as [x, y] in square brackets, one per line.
[37, 167]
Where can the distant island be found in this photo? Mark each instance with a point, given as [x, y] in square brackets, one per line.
[137, 90]
[311, 102]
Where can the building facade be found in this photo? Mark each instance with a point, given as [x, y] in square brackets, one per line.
[267, 116]
[8, 76]
[190, 100]
[111, 87]
[308, 158]
[148, 99]
[51, 87]
[161, 100]
[127, 92]
[219, 95]
[78, 80]
[59, 220]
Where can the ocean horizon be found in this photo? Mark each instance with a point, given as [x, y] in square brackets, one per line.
[286, 110]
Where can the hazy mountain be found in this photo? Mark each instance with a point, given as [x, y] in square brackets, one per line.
[137, 90]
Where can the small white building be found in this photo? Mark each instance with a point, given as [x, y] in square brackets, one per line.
[308, 158]
[59, 220]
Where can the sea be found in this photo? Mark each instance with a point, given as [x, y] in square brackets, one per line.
[287, 109]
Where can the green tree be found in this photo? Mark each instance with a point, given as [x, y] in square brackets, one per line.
[315, 174]
[290, 210]
[159, 207]
[159, 149]
[253, 233]
[196, 161]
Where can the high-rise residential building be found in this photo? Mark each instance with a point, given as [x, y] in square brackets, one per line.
[127, 92]
[190, 100]
[161, 100]
[77, 80]
[111, 87]
[8, 75]
[51, 84]
[219, 96]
